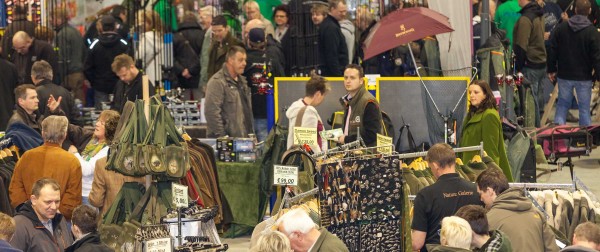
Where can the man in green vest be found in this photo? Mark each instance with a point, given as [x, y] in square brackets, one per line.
[361, 109]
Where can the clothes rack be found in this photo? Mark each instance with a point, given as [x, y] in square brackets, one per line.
[341, 148]
[569, 187]
[456, 150]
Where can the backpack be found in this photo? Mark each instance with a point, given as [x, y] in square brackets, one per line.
[387, 126]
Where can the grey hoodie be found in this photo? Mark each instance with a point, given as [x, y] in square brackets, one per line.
[579, 22]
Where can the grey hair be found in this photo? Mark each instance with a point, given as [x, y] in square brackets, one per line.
[54, 129]
[42, 70]
[296, 220]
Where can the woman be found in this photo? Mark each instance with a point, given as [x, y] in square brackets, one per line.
[96, 148]
[150, 49]
[273, 241]
[483, 124]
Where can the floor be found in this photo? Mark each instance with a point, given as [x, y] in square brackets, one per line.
[586, 169]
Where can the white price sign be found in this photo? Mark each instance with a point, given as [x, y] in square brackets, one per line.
[159, 245]
[285, 175]
[180, 195]
[305, 136]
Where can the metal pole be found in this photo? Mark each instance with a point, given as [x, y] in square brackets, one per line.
[485, 21]
[179, 235]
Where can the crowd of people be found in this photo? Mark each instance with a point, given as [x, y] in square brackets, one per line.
[54, 186]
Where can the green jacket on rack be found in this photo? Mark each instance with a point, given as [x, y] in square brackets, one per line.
[485, 127]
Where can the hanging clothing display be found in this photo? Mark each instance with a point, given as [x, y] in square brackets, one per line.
[363, 202]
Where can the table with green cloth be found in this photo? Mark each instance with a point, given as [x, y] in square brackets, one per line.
[239, 183]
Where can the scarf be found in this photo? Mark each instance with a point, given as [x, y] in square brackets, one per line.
[92, 148]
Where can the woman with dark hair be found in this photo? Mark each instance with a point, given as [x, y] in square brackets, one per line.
[482, 124]
[96, 148]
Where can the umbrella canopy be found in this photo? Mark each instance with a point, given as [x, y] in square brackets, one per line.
[403, 26]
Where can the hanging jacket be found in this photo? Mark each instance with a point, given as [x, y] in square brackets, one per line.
[32, 235]
[514, 214]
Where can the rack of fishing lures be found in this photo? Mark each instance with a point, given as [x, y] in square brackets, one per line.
[362, 198]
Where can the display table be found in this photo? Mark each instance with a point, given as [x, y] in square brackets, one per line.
[239, 183]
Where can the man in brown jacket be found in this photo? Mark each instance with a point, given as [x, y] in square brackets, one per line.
[49, 161]
[107, 185]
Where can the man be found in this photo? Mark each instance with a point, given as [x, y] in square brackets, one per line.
[361, 109]
[206, 16]
[97, 68]
[585, 239]
[120, 14]
[19, 23]
[41, 227]
[221, 43]
[27, 107]
[528, 46]
[70, 49]
[442, 199]
[130, 86]
[228, 105]
[106, 186]
[513, 213]
[305, 236]
[85, 230]
[27, 50]
[318, 13]
[41, 75]
[339, 11]
[264, 63]
[8, 83]
[6, 233]
[316, 90]
[483, 240]
[333, 50]
[253, 12]
[575, 47]
[49, 160]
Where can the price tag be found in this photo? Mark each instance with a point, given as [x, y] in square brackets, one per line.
[285, 175]
[305, 136]
[384, 141]
[159, 245]
[180, 195]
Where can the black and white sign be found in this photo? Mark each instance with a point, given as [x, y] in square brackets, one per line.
[285, 175]
[159, 245]
[180, 195]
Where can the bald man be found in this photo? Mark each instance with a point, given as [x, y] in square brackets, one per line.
[27, 50]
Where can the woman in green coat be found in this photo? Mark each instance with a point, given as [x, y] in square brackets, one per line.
[483, 124]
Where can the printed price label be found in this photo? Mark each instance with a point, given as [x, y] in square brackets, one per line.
[305, 136]
[180, 195]
[159, 245]
[384, 141]
[285, 175]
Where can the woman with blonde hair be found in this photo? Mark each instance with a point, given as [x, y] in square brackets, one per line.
[273, 241]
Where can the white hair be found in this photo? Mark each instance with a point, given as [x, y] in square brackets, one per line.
[208, 10]
[457, 232]
[296, 220]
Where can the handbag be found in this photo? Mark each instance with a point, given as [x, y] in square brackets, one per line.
[177, 157]
[154, 142]
[129, 150]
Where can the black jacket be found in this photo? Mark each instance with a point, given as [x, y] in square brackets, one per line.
[31, 235]
[288, 44]
[39, 50]
[8, 83]
[92, 33]
[332, 48]
[18, 24]
[574, 49]
[276, 56]
[91, 243]
[185, 57]
[46, 88]
[128, 92]
[194, 34]
[97, 67]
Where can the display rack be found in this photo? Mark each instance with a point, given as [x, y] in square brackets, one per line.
[456, 150]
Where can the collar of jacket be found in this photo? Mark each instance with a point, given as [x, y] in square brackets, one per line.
[356, 98]
[138, 78]
[475, 118]
[230, 79]
[532, 7]
[335, 21]
[92, 238]
[44, 82]
[26, 209]
[448, 176]
[52, 145]
[31, 119]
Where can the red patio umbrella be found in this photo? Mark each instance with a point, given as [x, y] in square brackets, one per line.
[403, 26]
